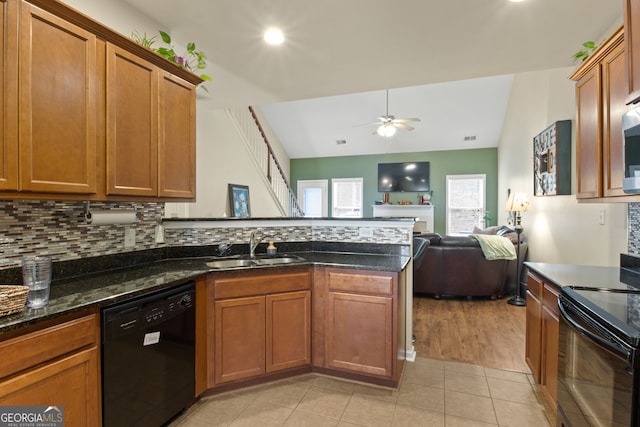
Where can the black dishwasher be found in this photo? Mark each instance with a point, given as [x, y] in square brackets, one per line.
[148, 358]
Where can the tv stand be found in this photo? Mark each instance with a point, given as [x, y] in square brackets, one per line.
[423, 215]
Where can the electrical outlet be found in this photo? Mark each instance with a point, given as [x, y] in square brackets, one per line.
[129, 237]
[159, 233]
[601, 218]
[365, 232]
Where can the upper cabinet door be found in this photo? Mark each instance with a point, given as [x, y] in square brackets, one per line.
[57, 104]
[632, 37]
[614, 95]
[177, 139]
[9, 95]
[132, 124]
[589, 138]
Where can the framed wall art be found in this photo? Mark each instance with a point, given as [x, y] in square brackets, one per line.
[552, 160]
[239, 201]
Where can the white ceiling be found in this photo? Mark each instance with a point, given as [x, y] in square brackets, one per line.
[338, 47]
[449, 112]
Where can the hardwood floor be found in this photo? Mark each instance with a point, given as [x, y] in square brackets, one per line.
[483, 332]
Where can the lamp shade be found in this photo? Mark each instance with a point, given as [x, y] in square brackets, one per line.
[517, 202]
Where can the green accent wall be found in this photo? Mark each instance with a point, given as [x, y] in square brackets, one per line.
[442, 163]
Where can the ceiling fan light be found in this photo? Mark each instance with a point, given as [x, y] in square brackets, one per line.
[386, 130]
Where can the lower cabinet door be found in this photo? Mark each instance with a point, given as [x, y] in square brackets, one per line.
[288, 330]
[359, 334]
[551, 333]
[71, 382]
[239, 339]
[533, 343]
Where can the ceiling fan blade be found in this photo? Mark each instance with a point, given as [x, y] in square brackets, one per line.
[405, 120]
[401, 126]
[368, 124]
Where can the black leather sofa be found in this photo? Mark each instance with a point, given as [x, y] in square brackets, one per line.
[456, 266]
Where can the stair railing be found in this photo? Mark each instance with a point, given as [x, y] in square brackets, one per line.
[256, 139]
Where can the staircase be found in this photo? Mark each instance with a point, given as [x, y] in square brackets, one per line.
[252, 133]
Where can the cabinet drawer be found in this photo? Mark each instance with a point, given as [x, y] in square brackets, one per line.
[25, 351]
[239, 286]
[550, 298]
[534, 285]
[361, 283]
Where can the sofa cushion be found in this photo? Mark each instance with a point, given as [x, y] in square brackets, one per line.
[459, 241]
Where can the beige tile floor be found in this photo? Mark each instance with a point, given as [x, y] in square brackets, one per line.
[431, 393]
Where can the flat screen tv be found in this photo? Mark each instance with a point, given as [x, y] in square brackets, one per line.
[398, 177]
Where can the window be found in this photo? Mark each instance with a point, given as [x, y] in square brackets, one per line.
[346, 200]
[466, 201]
[313, 199]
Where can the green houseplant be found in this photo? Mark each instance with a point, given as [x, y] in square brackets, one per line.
[192, 60]
[583, 54]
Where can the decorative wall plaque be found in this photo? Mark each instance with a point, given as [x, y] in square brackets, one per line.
[552, 160]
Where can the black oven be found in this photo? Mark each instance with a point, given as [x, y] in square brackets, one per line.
[597, 369]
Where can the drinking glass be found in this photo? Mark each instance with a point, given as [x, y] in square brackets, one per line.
[36, 274]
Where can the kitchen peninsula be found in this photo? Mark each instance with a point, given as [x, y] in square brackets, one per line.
[342, 275]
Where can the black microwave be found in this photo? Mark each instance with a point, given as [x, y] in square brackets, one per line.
[631, 141]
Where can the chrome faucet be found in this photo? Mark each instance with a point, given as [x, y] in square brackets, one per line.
[253, 243]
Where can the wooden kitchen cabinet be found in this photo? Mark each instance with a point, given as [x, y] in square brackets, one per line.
[262, 323]
[9, 95]
[150, 129]
[177, 138]
[550, 335]
[601, 90]
[288, 330]
[533, 341]
[239, 338]
[132, 124]
[542, 333]
[632, 36]
[98, 117]
[357, 329]
[57, 104]
[55, 366]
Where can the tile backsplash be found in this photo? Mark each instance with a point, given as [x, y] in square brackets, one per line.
[58, 229]
[633, 228]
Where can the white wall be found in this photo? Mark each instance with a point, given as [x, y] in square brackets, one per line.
[222, 159]
[559, 229]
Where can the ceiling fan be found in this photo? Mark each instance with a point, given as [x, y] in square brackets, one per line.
[388, 124]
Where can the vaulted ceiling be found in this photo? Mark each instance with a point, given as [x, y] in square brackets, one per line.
[345, 47]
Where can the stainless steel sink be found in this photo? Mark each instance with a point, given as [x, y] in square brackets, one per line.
[283, 260]
[230, 263]
[253, 262]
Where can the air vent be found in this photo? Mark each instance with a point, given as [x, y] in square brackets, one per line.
[341, 141]
[470, 138]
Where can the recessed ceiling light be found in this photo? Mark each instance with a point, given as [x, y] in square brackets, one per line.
[273, 36]
[516, 1]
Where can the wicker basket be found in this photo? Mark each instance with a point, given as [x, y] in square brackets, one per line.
[12, 299]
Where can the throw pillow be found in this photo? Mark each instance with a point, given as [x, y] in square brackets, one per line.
[488, 230]
[513, 236]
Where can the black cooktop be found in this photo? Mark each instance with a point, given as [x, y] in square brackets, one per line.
[614, 306]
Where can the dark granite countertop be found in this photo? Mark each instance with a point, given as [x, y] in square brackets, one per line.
[102, 289]
[578, 275]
